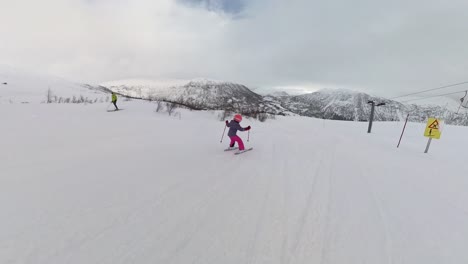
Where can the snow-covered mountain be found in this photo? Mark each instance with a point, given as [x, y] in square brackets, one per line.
[342, 104]
[197, 94]
[278, 94]
[337, 104]
[17, 86]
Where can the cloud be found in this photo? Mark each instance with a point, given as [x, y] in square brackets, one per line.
[226, 6]
[99, 40]
[384, 48]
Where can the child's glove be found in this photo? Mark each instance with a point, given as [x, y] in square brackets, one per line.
[227, 122]
[247, 128]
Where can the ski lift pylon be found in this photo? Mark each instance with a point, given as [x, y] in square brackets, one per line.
[462, 100]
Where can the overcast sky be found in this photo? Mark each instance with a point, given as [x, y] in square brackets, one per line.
[383, 47]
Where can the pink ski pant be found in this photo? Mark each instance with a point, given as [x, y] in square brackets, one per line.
[237, 139]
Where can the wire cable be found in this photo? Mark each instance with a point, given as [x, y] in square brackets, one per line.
[439, 95]
[429, 90]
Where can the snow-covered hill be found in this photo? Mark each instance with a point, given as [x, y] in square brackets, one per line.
[18, 86]
[81, 185]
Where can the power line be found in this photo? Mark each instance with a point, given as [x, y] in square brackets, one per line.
[429, 90]
[439, 95]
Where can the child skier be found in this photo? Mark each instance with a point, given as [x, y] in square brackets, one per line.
[233, 127]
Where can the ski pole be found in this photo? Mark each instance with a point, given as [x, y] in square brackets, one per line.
[223, 135]
[248, 136]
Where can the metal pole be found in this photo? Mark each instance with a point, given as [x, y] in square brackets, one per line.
[371, 119]
[403, 132]
[428, 145]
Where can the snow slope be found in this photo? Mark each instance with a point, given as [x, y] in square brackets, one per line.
[80, 185]
[26, 87]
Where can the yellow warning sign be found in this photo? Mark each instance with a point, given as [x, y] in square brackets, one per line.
[433, 129]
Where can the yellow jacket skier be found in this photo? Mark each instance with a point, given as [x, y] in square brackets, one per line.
[114, 101]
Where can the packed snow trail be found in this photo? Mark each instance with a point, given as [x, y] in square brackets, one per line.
[80, 185]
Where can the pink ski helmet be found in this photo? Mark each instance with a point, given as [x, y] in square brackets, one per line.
[238, 118]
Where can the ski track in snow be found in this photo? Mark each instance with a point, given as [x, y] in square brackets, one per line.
[383, 219]
[142, 187]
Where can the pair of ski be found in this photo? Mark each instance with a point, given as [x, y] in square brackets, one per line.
[238, 152]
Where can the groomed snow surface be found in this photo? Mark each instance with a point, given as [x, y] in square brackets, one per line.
[82, 185]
